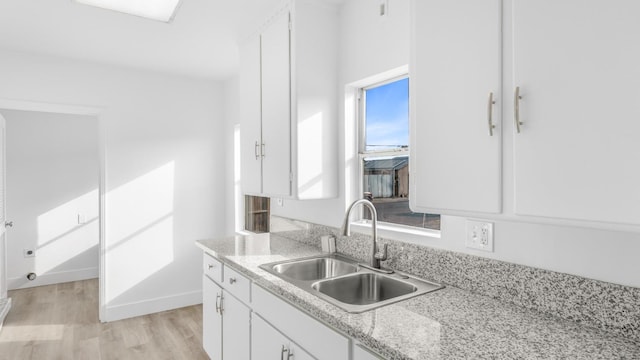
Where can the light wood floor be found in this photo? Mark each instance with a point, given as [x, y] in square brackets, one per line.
[61, 322]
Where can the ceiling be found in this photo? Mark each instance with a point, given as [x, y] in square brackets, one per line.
[200, 42]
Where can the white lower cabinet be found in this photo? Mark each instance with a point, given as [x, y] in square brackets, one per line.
[269, 344]
[211, 320]
[361, 353]
[316, 338]
[236, 331]
[243, 321]
[226, 320]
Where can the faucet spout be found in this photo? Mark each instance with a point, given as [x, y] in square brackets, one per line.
[346, 231]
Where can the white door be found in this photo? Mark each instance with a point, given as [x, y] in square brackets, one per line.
[4, 302]
[455, 157]
[276, 108]
[576, 64]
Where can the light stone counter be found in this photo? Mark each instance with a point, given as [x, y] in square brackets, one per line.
[450, 323]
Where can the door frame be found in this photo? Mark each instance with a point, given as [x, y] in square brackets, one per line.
[97, 112]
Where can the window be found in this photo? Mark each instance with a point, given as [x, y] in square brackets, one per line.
[384, 154]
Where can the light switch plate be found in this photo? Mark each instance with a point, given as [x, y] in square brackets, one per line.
[479, 235]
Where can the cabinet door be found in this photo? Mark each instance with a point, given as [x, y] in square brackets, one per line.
[250, 117]
[211, 319]
[267, 343]
[276, 107]
[236, 328]
[360, 353]
[455, 163]
[576, 63]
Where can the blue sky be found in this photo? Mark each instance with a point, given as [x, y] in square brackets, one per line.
[387, 115]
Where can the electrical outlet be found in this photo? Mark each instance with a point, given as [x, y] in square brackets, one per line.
[29, 253]
[479, 235]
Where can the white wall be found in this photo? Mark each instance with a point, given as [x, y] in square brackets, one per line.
[52, 178]
[161, 140]
[371, 45]
[234, 204]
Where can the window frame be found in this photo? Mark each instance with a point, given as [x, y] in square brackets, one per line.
[385, 229]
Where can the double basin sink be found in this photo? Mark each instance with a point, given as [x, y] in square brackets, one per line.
[341, 281]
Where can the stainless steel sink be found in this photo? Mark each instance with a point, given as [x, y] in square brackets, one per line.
[340, 281]
[364, 289]
[315, 269]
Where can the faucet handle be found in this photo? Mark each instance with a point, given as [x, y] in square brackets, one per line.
[382, 255]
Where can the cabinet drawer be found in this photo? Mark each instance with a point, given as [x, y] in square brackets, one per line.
[212, 268]
[316, 338]
[237, 284]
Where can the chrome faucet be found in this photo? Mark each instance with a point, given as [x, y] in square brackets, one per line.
[346, 231]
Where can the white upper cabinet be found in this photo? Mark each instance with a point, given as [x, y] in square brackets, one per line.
[276, 107]
[572, 156]
[577, 64]
[289, 145]
[455, 84]
[250, 114]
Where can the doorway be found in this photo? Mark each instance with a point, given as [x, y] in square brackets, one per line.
[52, 163]
[81, 218]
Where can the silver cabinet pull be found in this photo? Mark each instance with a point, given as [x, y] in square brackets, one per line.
[516, 108]
[490, 113]
[218, 305]
[232, 280]
[262, 152]
[8, 224]
[210, 266]
[255, 150]
[284, 350]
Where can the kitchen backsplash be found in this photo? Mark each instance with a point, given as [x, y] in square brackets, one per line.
[594, 303]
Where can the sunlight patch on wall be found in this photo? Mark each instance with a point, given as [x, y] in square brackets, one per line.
[67, 231]
[310, 133]
[141, 229]
[237, 181]
[350, 147]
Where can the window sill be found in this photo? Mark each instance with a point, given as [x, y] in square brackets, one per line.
[397, 232]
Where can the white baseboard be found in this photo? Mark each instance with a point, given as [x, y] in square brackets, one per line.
[125, 311]
[53, 278]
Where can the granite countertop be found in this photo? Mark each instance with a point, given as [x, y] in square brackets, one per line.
[450, 323]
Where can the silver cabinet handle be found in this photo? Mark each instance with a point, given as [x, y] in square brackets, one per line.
[8, 224]
[516, 108]
[255, 150]
[218, 305]
[284, 350]
[490, 113]
[210, 266]
[232, 280]
[262, 152]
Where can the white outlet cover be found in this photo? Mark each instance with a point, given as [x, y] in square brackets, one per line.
[479, 235]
